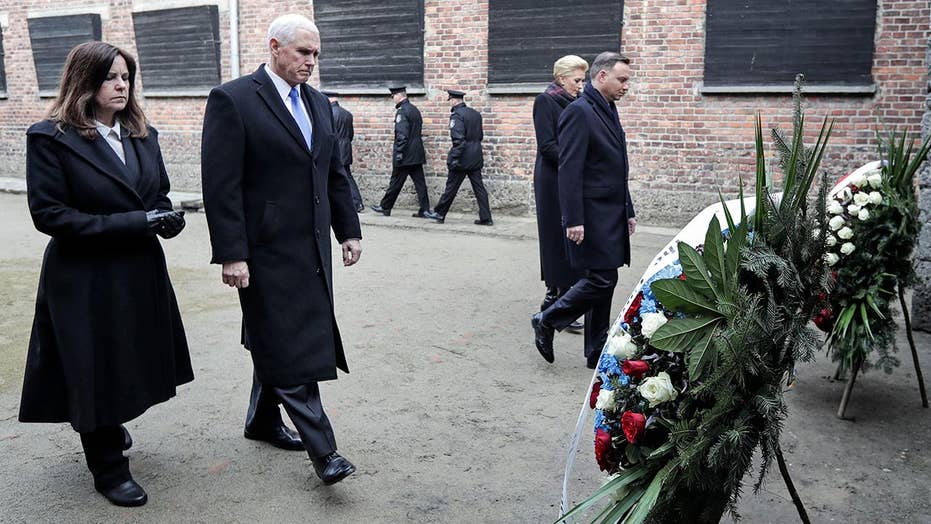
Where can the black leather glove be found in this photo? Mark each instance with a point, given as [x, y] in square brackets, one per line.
[166, 224]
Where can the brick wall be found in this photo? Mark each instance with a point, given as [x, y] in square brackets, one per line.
[683, 145]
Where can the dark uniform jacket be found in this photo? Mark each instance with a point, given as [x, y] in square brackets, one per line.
[107, 340]
[554, 264]
[408, 144]
[593, 181]
[342, 122]
[271, 201]
[465, 130]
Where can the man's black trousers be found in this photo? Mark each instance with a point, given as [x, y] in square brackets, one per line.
[591, 295]
[453, 181]
[398, 176]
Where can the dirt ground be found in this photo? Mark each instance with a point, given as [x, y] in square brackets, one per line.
[449, 413]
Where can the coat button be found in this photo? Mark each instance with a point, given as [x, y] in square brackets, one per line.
[317, 199]
[317, 233]
[317, 270]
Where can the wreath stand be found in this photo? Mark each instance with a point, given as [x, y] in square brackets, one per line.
[856, 365]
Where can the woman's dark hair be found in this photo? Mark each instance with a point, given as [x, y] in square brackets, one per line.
[86, 69]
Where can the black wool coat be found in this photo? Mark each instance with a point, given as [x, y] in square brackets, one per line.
[592, 179]
[408, 142]
[465, 131]
[342, 123]
[271, 202]
[554, 263]
[107, 340]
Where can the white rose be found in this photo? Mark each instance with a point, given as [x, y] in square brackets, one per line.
[864, 214]
[831, 258]
[858, 180]
[845, 233]
[876, 179]
[650, 322]
[845, 195]
[830, 240]
[847, 248]
[853, 209]
[876, 198]
[815, 233]
[862, 198]
[658, 389]
[835, 208]
[621, 346]
[837, 223]
[605, 400]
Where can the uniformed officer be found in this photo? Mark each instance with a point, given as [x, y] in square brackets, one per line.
[464, 159]
[342, 125]
[408, 155]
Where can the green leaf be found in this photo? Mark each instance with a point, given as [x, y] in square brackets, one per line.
[624, 478]
[678, 295]
[699, 355]
[696, 272]
[714, 253]
[662, 450]
[613, 515]
[649, 496]
[874, 307]
[681, 334]
[866, 321]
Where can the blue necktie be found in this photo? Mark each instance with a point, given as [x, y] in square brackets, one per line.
[300, 118]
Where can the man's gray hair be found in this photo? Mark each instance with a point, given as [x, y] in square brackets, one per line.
[284, 27]
[606, 62]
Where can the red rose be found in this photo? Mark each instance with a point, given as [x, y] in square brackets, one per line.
[682, 276]
[634, 309]
[824, 319]
[594, 396]
[635, 368]
[602, 449]
[633, 424]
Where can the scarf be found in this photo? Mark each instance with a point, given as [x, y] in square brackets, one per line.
[560, 94]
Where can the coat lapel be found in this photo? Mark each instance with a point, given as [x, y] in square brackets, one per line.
[315, 113]
[105, 161]
[603, 110]
[269, 95]
[148, 166]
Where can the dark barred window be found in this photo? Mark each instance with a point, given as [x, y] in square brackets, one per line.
[52, 38]
[525, 37]
[179, 49]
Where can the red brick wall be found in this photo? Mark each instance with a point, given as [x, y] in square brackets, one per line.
[683, 145]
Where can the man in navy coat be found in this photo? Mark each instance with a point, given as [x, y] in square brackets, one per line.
[597, 210]
[274, 184]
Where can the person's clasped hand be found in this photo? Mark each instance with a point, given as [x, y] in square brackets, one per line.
[166, 224]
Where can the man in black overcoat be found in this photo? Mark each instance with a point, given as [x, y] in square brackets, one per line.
[342, 122]
[274, 185]
[596, 207]
[464, 159]
[407, 156]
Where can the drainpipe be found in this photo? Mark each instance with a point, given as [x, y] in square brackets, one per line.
[234, 39]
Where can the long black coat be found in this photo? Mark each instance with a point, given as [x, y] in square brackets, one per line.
[592, 180]
[554, 263]
[465, 131]
[342, 123]
[271, 202]
[107, 340]
[408, 142]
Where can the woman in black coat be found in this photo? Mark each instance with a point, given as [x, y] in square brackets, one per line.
[107, 340]
[569, 77]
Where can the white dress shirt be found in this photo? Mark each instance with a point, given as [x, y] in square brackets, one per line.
[284, 90]
[113, 137]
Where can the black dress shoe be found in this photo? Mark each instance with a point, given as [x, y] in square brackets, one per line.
[422, 214]
[542, 337]
[576, 327]
[127, 438]
[280, 436]
[360, 209]
[435, 216]
[591, 365]
[488, 222]
[333, 468]
[128, 494]
[379, 209]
